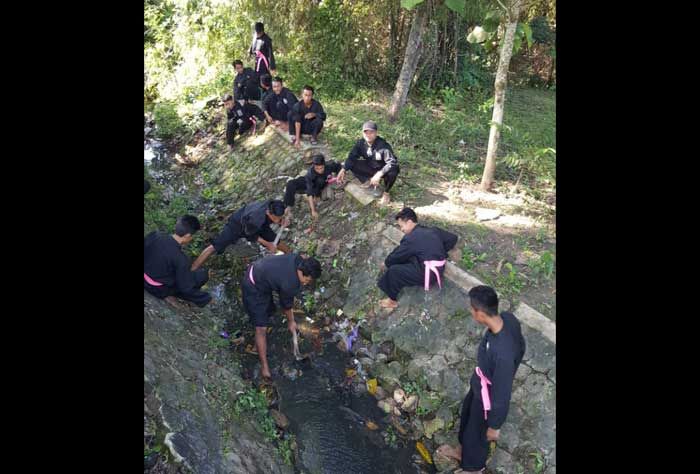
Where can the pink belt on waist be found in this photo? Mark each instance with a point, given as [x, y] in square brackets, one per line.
[485, 398]
[250, 275]
[151, 281]
[432, 265]
[331, 179]
[261, 57]
[255, 124]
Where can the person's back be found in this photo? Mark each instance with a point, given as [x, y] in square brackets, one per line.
[166, 269]
[427, 244]
[277, 273]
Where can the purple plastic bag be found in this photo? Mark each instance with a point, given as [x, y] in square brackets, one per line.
[351, 338]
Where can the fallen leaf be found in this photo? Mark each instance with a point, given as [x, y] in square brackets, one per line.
[372, 386]
[424, 452]
[371, 425]
[350, 372]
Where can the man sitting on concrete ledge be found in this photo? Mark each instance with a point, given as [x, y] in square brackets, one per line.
[307, 117]
[485, 407]
[319, 175]
[418, 260]
[379, 161]
[278, 105]
[251, 221]
[166, 269]
[241, 117]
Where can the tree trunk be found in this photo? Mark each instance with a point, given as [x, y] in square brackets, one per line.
[456, 47]
[410, 62]
[500, 96]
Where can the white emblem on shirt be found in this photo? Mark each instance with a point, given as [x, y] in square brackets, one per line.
[378, 156]
[240, 113]
[487, 345]
[284, 100]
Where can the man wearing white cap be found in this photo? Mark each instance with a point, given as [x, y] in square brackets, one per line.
[379, 161]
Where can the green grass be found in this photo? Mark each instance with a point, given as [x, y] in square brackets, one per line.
[471, 258]
[447, 139]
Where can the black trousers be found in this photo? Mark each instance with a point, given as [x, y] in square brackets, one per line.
[401, 275]
[294, 186]
[281, 116]
[232, 126]
[364, 171]
[308, 127]
[201, 276]
[472, 434]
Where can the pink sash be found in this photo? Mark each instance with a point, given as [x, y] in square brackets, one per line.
[250, 275]
[432, 265]
[261, 57]
[151, 281]
[485, 398]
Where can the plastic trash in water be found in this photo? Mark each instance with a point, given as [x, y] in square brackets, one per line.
[224, 334]
[351, 338]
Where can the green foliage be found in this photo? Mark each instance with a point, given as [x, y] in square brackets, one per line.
[539, 462]
[390, 436]
[543, 267]
[456, 5]
[470, 258]
[168, 122]
[410, 4]
[284, 448]
[309, 302]
[511, 283]
[541, 32]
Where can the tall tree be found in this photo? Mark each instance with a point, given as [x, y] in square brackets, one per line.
[410, 61]
[512, 11]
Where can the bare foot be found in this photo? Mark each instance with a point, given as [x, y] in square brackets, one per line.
[266, 375]
[450, 452]
[385, 199]
[388, 303]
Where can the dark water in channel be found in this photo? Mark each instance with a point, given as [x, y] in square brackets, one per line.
[328, 416]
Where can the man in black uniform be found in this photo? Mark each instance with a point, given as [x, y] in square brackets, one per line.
[485, 407]
[307, 117]
[418, 260]
[251, 221]
[240, 117]
[246, 84]
[266, 86]
[278, 105]
[166, 269]
[379, 161]
[261, 50]
[317, 178]
[284, 274]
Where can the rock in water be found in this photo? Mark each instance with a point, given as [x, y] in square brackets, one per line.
[399, 396]
[410, 404]
[280, 419]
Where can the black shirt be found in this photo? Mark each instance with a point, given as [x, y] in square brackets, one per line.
[251, 219]
[164, 262]
[498, 357]
[278, 273]
[379, 155]
[422, 244]
[246, 85]
[279, 105]
[244, 112]
[301, 110]
[264, 45]
[316, 182]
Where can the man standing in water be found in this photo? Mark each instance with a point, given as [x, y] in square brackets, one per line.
[485, 407]
[283, 274]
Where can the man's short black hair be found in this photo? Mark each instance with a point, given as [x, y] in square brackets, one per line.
[146, 186]
[187, 224]
[237, 62]
[228, 97]
[266, 80]
[310, 267]
[259, 27]
[407, 214]
[318, 159]
[309, 88]
[278, 79]
[484, 298]
[276, 207]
